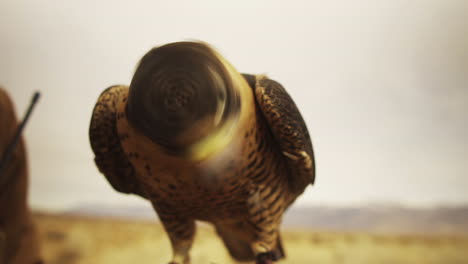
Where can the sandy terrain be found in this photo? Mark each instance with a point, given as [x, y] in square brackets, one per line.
[73, 240]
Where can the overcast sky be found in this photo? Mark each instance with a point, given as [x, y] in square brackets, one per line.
[382, 85]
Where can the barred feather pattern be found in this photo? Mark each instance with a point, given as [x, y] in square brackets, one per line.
[247, 195]
[244, 195]
[105, 143]
[290, 131]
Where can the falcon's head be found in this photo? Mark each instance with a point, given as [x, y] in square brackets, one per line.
[186, 97]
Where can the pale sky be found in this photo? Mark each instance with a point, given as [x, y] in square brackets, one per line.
[382, 85]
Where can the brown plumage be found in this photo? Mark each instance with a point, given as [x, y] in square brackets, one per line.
[203, 142]
[19, 242]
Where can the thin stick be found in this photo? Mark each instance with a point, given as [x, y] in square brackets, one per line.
[14, 142]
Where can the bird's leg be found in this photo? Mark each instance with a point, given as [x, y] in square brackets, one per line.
[264, 222]
[265, 252]
[181, 233]
[265, 245]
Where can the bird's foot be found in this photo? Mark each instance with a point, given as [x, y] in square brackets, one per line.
[267, 257]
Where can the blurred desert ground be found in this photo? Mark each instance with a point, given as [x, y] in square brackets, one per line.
[391, 235]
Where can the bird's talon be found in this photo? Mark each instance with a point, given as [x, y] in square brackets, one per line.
[266, 258]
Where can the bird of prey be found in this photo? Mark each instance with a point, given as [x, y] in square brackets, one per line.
[202, 141]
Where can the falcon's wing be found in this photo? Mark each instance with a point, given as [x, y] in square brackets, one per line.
[109, 155]
[289, 129]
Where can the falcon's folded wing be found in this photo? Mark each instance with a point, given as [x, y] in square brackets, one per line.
[104, 138]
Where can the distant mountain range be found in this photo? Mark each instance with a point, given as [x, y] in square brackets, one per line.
[376, 218]
[441, 220]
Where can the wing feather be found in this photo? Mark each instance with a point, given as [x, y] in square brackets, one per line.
[109, 155]
[289, 129]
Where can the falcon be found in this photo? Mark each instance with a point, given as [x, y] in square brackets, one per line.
[203, 142]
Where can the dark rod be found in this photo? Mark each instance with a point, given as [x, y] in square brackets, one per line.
[12, 145]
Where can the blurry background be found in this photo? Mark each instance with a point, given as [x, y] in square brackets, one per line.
[382, 85]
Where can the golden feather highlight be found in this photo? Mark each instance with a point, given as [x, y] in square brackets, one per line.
[224, 135]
